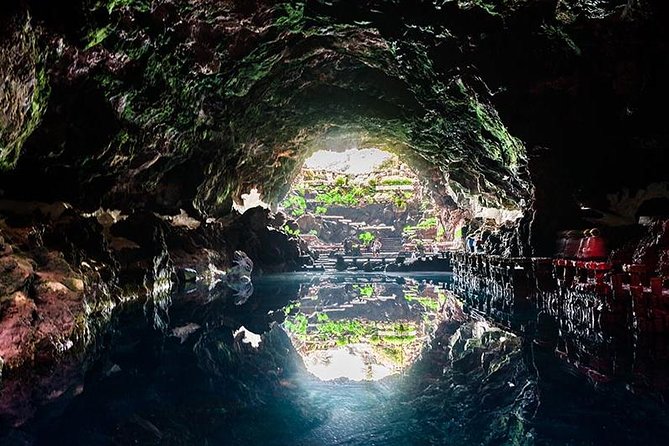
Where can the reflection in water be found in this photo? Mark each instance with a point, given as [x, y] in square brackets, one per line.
[230, 374]
[365, 327]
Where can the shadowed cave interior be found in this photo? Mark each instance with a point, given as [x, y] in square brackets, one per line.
[334, 222]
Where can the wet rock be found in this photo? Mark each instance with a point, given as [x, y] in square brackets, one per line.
[278, 220]
[270, 250]
[78, 238]
[188, 105]
[185, 331]
[651, 250]
[145, 261]
[146, 168]
[15, 272]
[451, 87]
[25, 83]
[187, 275]
[5, 248]
[307, 223]
[16, 331]
[238, 277]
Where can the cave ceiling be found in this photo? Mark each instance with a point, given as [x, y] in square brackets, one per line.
[188, 104]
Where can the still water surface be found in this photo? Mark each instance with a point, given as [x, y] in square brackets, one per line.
[347, 359]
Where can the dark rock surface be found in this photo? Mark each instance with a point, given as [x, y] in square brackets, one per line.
[178, 104]
[155, 108]
[142, 106]
[62, 278]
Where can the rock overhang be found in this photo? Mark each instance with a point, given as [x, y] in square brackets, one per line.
[198, 101]
[185, 105]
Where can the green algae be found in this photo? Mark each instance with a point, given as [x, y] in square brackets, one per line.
[11, 143]
[304, 75]
[96, 37]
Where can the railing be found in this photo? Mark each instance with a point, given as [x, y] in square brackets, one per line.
[615, 295]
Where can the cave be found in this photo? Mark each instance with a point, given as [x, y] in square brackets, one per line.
[176, 267]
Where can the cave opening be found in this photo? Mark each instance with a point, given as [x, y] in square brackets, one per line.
[334, 222]
[362, 203]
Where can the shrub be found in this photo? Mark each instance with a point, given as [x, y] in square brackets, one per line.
[297, 325]
[428, 223]
[291, 232]
[336, 197]
[396, 181]
[343, 332]
[409, 231]
[366, 238]
[295, 204]
[365, 291]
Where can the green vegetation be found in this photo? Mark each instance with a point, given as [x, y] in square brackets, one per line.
[390, 164]
[397, 181]
[96, 37]
[401, 199]
[398, 333]
[366, 291]
[291, 232]
[366, 238]
[290, 307]
[140, 5]
[427, 302]
[297, 325]
[293, 20]
[319, 330]
[430, 304]
[343, 332]
[321, 191]
[397, 339]
[295, 204]
[344, 195]
[162, 101]
[394, 353]
[425, 224]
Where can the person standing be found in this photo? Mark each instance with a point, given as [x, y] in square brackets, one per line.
[420, 246]
[595, 247]
[376, 247]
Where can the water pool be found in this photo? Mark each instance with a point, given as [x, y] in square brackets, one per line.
[343, 359]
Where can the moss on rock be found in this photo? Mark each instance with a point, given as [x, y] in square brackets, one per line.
[25, 92]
